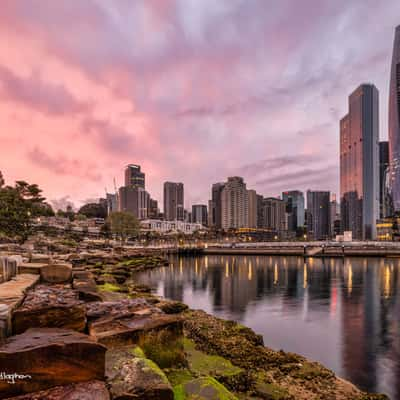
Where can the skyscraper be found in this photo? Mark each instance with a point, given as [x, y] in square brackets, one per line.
[214, 206]
[173, 201]
[394, 123]
[199, 214]
[234, 204]
[252, 208]
[318, 221]
[134, 176]
[294, 200]
[274, 214]
[383, 166]
[134, 200]
[359, 161]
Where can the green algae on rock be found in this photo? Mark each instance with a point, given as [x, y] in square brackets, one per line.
[206, 388]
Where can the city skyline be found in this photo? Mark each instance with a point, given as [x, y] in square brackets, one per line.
[73, 113]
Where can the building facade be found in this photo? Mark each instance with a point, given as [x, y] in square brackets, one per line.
[134, 176]
[383, 170]
[394, 123]
[359, 163]
[252, 208]
[274, 215]
[161, 226]
[214, 206]
[135, 200]
[234, 204]
[174, 201]
[294, 201]
[199, 214]
[318, 214]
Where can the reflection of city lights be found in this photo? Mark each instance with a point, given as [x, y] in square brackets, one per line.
[227, 270]
[250, 272]
[181, 266]
[305, 275]
[196, 266]
[276, 274]
[386, 285]
[350, 279]
[206, 262]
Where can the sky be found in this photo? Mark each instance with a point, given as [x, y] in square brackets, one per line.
[192, 90]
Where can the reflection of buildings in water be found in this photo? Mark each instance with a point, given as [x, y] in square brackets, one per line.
[368, 302]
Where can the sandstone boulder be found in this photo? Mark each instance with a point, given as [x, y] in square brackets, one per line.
[56, 273]
[92, 390]
[126, 321]
[55, 306]
[31, 268]
[44, 358]
[132, 376]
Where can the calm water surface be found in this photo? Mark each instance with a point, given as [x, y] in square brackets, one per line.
[343, 313]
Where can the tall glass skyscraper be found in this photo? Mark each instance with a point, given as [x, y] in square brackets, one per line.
[359, 163]
[394, 123]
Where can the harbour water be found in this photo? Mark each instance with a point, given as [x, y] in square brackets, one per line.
[344, 313]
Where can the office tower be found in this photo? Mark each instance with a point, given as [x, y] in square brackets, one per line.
[234, 204]
[274, 214]
[214, 206]
[252, 208]
[134, 177]
[199, 214]
[112, 202]
[135, 200]
[318, 218]
[187, 216]
[334, 216]
[383, 168]
[394, 123]
[260, 218]
[359, 161]
[152, 209]
[173, 201]
[294, 200]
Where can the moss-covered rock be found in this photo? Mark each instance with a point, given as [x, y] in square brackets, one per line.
[205, 388]
[131, 375]
[202, 364]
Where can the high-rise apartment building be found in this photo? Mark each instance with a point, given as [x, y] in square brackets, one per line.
[173, 201]
[359, 162]
[134, 200]
[134, 176]
[394, 123]
[152, 209]
[199, 214]
[274, 215]
[234, 204]
[294, 200]
[214, 206]
[252, 209]
[383, 170]
[318, 214]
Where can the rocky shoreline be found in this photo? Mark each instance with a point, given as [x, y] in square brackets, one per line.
[80, 327]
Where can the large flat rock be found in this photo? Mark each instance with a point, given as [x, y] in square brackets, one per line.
[31, 268]
[92, 390]
[130, 375]
[49, 357]
[45, 306]
[123, 322]
[11, 295]
[56, 273]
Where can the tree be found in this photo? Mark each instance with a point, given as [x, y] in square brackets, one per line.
[19, 206]
[1, 180]
[123, 224]
[93, 210]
